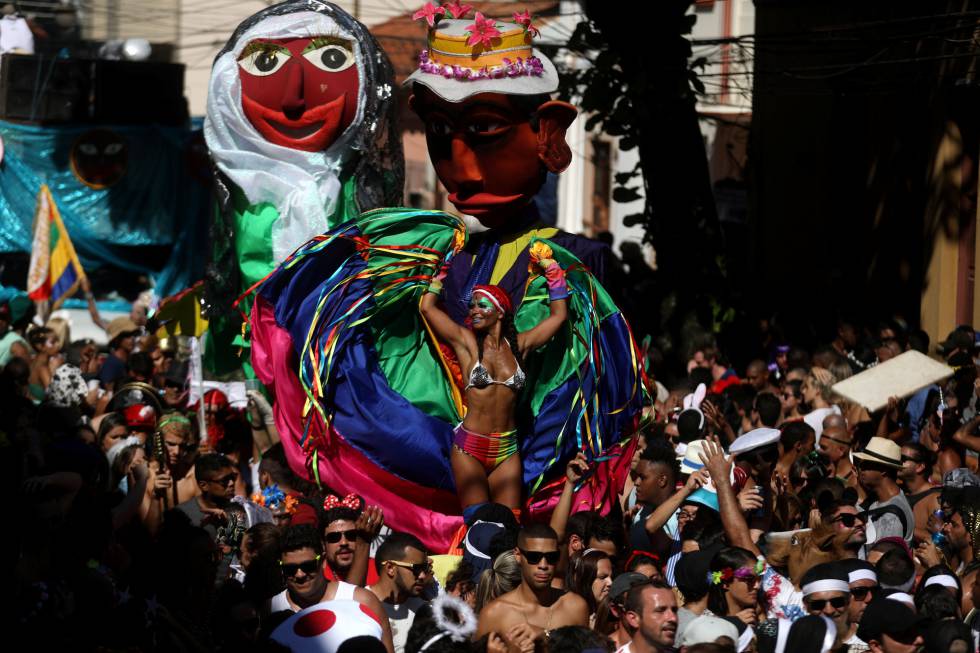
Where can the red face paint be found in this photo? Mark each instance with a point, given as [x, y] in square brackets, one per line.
[299, 93]
[484, 152]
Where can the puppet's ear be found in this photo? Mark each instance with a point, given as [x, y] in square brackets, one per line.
[554, 117]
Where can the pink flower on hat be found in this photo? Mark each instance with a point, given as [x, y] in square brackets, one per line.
[483, 30]
[457, 10]
[525, 20]
[430, 13]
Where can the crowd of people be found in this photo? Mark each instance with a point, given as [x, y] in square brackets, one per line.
[762, 513]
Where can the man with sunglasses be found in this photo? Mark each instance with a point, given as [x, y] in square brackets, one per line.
[535, 608]
[848, 518]
[890, 512]
[863, 581]
[826, 591]
[215, 475]
[404, 569]
[347, 535]
[301, 561]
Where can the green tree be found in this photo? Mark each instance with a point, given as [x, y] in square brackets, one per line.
[641, 86]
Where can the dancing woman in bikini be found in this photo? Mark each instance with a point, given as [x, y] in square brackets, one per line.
[484, 457]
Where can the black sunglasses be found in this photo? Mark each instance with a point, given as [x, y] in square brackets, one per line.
[418, 568]
[226, 479]
[334, 537]
[849, 519]
[860, 593]
[534, 557]
[819, 604]
[309, 567]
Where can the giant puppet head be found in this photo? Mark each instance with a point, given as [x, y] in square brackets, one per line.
[492, 131]
[300, 104]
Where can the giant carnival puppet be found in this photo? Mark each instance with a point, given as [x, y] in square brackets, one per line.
[300, 127]
[431, 370]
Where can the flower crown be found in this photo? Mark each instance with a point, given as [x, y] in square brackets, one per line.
[728, 574]
[492, 49]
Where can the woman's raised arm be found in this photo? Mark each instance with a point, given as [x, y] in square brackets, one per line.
[437, 319]
[558, 300]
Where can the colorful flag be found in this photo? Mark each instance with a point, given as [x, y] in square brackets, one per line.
[180, 314]
[55, 271]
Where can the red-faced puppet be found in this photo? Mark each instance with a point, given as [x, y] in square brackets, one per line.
[300, 92]
[301, 114]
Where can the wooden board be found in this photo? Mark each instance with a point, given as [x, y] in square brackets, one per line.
[900, 377]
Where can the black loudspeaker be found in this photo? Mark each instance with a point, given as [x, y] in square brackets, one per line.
[42, 89]
[138, 92]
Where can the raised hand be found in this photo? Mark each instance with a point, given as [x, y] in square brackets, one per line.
[715, 461]
[697, 480]
[370, 522]
[576, 468]
[928, 554]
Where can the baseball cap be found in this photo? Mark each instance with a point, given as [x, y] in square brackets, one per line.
[625, 582]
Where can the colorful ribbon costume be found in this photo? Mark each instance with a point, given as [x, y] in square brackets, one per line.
[366, 400]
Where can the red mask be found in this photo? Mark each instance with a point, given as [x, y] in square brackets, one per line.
[299, 93]
[484, 152]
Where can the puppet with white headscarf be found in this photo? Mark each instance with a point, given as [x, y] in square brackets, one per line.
[301, 129]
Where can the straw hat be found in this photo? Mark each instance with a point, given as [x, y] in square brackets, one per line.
[882, 451]
[454, 67]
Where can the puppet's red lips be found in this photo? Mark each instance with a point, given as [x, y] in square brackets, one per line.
[314, 131]
[298, 133]
[480, 203]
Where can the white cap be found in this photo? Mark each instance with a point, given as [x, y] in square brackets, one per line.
[754, 439]
[706, 629]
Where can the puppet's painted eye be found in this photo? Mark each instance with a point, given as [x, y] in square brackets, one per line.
[332, 58]
[262, 61]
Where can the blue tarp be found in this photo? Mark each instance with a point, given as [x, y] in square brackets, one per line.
[162, 200]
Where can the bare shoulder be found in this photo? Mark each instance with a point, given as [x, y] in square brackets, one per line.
[572, 601]
[366, 596]
[498, 612]
[572, 609]
[500, 605]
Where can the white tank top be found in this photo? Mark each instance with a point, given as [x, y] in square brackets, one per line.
[279, 602]
[345, 591]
